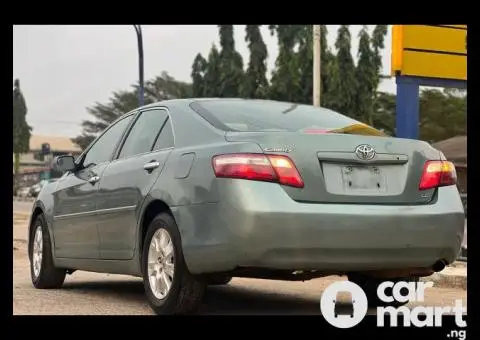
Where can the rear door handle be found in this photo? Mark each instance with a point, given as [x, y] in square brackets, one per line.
[93, 179]
[151, 165]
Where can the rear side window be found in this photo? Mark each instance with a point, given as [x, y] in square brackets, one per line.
[144, 132]
[263, 115]
[165, 139]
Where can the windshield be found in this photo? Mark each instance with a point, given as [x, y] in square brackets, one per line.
[263, 115]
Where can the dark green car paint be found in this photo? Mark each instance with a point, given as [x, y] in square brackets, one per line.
[227, 223]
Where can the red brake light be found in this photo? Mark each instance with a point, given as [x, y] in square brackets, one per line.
[258, 167]
[438, 174]
[315, 131]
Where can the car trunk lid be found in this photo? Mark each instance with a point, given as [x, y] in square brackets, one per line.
[336, 166]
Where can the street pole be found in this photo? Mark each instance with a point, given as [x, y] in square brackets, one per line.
[138, 29]
[317, 50]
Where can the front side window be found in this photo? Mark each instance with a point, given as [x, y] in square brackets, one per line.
[103, 148]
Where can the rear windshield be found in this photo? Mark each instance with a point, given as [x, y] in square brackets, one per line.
[258, 116]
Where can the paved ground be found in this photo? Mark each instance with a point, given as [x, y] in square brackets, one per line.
[100, 294]
[23, 206]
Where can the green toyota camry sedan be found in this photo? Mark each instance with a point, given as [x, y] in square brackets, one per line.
[192, 192]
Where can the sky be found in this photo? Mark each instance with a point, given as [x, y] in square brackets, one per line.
[64, 69]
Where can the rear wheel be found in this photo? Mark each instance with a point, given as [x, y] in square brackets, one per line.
[43, 272]
[169, 286]
[370, 285]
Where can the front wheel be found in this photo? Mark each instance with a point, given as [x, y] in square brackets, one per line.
[370, 285]
[43, 272]
[169, 286]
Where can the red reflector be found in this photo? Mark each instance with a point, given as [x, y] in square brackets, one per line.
[438, 174]
[258, 167]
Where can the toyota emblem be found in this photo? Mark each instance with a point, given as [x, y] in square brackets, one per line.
[365, 152]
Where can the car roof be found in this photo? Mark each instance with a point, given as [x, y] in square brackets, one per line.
[188, 101]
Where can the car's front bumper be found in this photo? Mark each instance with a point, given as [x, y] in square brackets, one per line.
[252, 228]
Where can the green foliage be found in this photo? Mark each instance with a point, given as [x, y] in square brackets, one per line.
[256, 83]
[365, 76]
[304, 58]
[231, 64]
[212, 77]
[286, 82]
[21, 130]
[344, 83]
[383, 115]
[378, 44]
[199, 69]
[442, 115]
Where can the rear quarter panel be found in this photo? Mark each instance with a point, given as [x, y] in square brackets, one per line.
[188, 177]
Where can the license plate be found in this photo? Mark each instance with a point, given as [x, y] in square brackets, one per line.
[363, 178]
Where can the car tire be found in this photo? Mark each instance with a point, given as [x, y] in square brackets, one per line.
[219, 280]
[370, 286]
[43, 272]
[185, 291]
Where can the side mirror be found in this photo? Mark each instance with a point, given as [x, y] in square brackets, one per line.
[64, 163]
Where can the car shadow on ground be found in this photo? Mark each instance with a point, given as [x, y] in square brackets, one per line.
[220, 300]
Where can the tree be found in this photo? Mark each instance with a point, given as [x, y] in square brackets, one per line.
[366, 75]
[304, 58]
[118, 104]
[256, 83]
[21, 130]
[345, 84]
[199, 69]
[165, 87]
[231, 64]
[327, 69]
[286, 83]
[442, 115]
[384, 108]
[160, 88]
[212, 75]
[378, 44]
[305, 63]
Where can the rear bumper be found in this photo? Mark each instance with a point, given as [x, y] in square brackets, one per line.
[250, 228]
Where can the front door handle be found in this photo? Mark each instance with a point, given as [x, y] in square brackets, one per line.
[151, 165]
[93, 179]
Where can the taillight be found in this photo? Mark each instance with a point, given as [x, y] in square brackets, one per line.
[438, 174]
[258, 167]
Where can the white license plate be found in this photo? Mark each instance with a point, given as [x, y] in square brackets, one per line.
[363, 178]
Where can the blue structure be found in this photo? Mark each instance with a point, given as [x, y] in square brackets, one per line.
[408, 105]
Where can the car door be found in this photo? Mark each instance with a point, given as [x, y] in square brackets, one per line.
[75, 224]
[128, 179]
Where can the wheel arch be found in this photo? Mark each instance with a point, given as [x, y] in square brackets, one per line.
[152, 209]
[37, 211]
